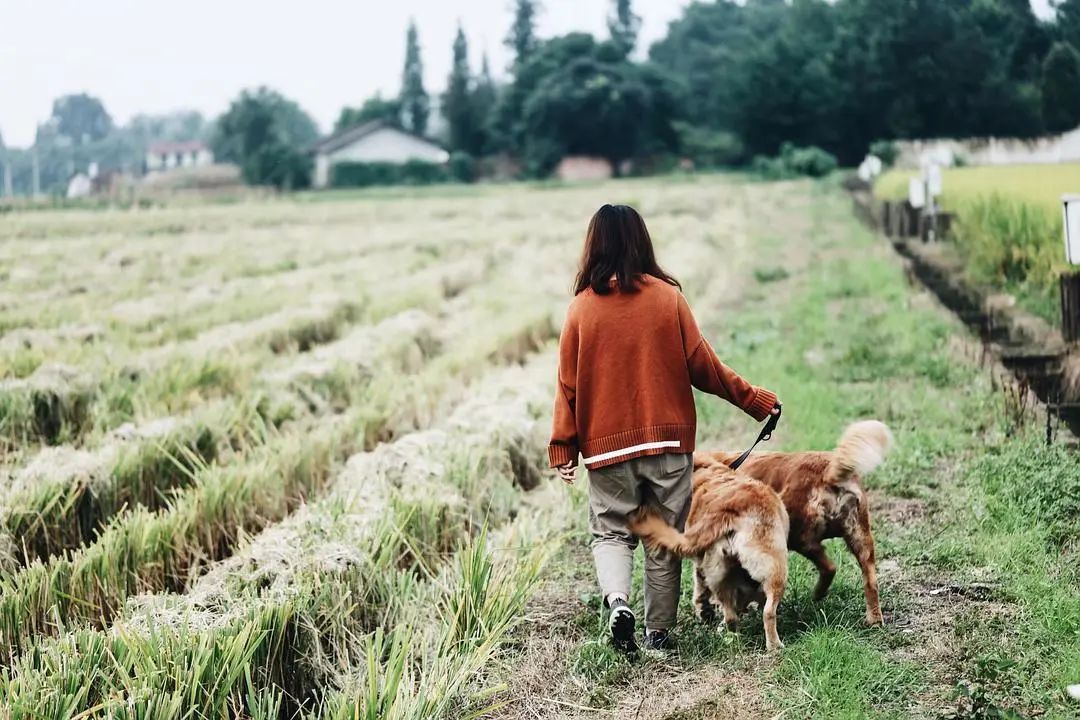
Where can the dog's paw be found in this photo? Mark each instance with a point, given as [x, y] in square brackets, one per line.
[706, 613]
[874, 619]
[774, 647]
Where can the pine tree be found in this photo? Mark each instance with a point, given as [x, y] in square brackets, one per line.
[522, 38]
[623, 26]
[484, 99]
[457, 105]
[415, 104]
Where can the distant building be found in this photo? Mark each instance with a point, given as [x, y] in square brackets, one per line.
[170, 155]
[583, 167]
[372, 142]
[79, 185]
[1049, 149]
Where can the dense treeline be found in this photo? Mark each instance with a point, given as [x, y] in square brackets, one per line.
[730, 81]
[843, 74]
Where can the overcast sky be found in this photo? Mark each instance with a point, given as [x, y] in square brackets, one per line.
[153, 56]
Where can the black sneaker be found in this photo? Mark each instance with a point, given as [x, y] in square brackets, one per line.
[622, 624]
[659, 640]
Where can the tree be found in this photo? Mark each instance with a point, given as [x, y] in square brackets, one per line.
[522, 39]
[176, 126]
[415, 105]
[624, 26]
[841, 74]
[374, 108]
[457, 105]
[1061, 88]
[81, 118]
[266, 134]
[1067, 16]
[484, 100]
[584, 97]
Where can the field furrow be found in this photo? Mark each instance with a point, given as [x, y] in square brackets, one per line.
[148, 551]
[384, 536]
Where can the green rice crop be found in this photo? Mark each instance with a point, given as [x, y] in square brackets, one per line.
[1008, 227]
[1013, 245]
[1038, 185]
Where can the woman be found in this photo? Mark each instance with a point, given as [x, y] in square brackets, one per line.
[629, 356]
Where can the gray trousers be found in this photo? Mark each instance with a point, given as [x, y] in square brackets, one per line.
[614, 492]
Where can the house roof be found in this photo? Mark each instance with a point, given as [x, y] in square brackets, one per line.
[348, 136]
[175, 147]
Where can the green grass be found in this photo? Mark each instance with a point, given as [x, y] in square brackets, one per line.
[849, 343]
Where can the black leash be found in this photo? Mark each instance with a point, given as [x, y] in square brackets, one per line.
[764, 435]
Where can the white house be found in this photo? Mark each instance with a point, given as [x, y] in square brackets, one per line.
[374, 141]
[169, 155]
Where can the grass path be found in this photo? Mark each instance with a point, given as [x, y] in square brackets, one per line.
[975, 519]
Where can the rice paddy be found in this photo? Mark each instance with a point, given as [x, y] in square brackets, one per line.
[285, 458]
[1040, 185]
[1009, 225]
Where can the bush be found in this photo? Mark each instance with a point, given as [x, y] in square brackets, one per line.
[794, 161]
[278, 165]
[710, 148]
[811, 161]
[462, 167]
[886, 150]
[367, 174]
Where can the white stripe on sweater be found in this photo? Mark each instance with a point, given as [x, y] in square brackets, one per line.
[632, 449]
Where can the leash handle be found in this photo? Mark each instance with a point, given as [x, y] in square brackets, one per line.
[764, 436]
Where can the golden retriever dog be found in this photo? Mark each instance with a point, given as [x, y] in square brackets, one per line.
[824, 499]
[736, 534]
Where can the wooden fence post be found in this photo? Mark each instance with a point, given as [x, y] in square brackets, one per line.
[1070, 306]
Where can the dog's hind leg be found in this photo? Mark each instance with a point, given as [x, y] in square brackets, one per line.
[767, 565]
[860, 540]
[774, 593]
[825, 566]
[703, 604]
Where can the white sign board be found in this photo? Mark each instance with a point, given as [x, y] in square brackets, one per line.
[933, 180]
[864, 172]
[916, 192]
[874, 163]
[1071, 209]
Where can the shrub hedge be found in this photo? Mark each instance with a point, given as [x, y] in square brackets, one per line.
[366, 174]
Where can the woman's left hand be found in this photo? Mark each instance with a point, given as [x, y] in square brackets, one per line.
[567, 472]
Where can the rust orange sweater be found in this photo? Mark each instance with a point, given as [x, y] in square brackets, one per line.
[627, 366]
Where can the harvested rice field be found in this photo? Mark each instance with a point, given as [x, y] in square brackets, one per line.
[286, 459]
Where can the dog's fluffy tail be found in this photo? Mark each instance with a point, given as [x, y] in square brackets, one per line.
[862, 447]
[656, 533]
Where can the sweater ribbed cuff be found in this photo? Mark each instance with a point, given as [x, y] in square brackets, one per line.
[764, 402]
[561, 454]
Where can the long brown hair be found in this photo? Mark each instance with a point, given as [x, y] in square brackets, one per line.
[617, 243]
